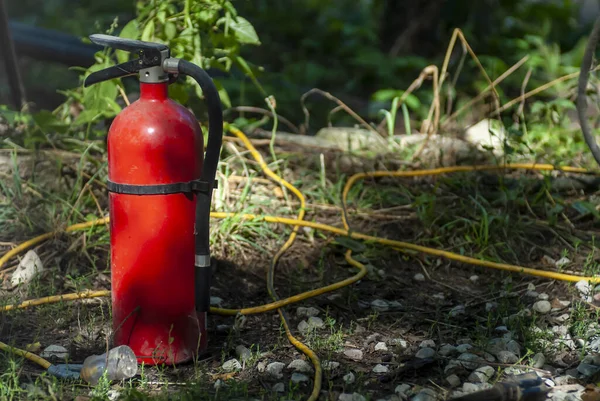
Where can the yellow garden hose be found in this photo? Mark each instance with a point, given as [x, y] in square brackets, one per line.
[299, 222]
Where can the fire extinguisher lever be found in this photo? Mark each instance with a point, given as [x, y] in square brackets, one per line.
[148, 65]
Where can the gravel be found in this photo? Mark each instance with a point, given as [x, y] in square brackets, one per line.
[379, 368]
[349, 378]
[232, 365]
[275, 369]
[300, 365]
[425, 353]
[507, 357]
[299, 378]
[354, 354]
[542, 307]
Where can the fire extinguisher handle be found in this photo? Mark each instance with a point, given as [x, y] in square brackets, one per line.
[128, 45]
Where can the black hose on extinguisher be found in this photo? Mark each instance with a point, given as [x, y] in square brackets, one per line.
[209, 170]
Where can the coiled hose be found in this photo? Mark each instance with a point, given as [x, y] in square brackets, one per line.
[277, 303]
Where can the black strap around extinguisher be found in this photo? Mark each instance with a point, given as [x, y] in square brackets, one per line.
[195, 186]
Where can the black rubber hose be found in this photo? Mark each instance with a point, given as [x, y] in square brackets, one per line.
[586, 65]
[209, 170]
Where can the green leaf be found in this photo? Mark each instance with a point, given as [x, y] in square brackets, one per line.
[47, 121]
[170, 30]
[148, 32]
[87, 116]
[244, 31]
[223, 94]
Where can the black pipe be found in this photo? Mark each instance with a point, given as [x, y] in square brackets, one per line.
[209, 170]
[7, 49]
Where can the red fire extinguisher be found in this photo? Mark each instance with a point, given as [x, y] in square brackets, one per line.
[160, 187]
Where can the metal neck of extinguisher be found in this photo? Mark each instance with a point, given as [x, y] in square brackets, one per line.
[155, 65]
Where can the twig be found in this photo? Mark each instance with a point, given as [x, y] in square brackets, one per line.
[525, 81]
[124, 95]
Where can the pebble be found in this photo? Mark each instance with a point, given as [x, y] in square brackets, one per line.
[542, 307]
[513, 347]
[587, 369]
[474, 278]
[380, 346]
[425, 353]
[275, 369]
[496, 345]
[538, 360]
[380, 305]
[232, 365]
[402, 389]
[300, 365]
[261, 367]
[399, 342]
[216, 301]
[354, 354]
[470, 361]
[351, 397]
[55, 352]
[482, 374]
[585, 289]
[532, 294]
[490, 306]
[303, 326]
[278, 387]
[507, 357]
[298, 377]
[562, 262]
[113, 395]
[315, 322]
[349, 378]
[425, 395]
[223, 328]
[453, 380]
[419, 277]
[457, 310]
[543, 296]
[243, 353]
[330, 365]
[29, 267]
[307, 312]
[463, 348]
[379, 368]
[473, 387]
[372, 338]
[427, 343]
[447, 349]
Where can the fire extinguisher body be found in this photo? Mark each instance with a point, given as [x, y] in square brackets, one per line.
[151, 142]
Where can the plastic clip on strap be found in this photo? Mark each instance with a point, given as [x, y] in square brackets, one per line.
[194, 186]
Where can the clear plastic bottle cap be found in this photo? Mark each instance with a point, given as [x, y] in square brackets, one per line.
[120, 364]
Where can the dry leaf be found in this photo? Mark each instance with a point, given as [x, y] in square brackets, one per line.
[278, 192]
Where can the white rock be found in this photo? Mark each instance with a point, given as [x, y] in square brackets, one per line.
[243, 353]
[380, 346]
[28, 268]
[425, 353]
[585, 289]
[487, 134]
[298, 377]
[427, 343]
[275, 369]
[402, 389]
[399, 342]
[303, 326]
[351, 397]
[419, 277]
[543, 296]
[354, 354]
[278, 387]
[542, 307]
[330, 365]
[113, 395]
[349, 378]
[307, 312]
[379, 368]
[531, 287]
[380, 305]
[261, 367]
[216, 301]
[55, 352]
[562, 262]
[453, 380]
[300, 365]
[232, 365]
[315, 322]
[474, 278]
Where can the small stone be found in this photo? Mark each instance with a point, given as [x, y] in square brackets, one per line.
[531, 287]
[532, 294]
[216, 301]
[427, 343]
[402, 389]
[562, 262]
[372, 338]
[457, 310]
[55, 352]
[379, 368]
[113, 395]
[562, 318]
[300, 365]
[474, 387]
[538, 360]
[330, 365]
[470, 361]
[507, 357]
[490, 306]
[278, 387]
[351, 397]
[275, 369]
[349, 378]
[453, 367]
[585, 289]
[463, 348]
[29, 267]
[496, 345]
[243, 353]
[425, 353]
[543, 296]
[474, 278]
[223, 328]
[425, 395]
[453, 380]
[447, 349]
[303, 326]
[380, 346]
[298, 378]
[482, 374]
[354, 354]
[513, 347]
[542, 307]
[588, 370]
[380, 305]
[315, 322]
[399, 342]
[307, 312]
[232, 365]
[419, 277]
[261, 367]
